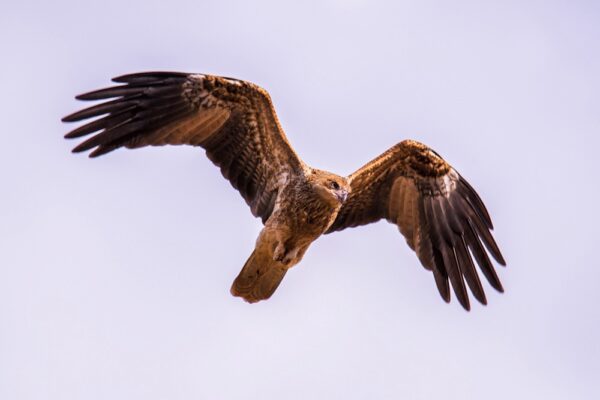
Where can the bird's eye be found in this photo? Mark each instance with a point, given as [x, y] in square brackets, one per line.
[335, 185]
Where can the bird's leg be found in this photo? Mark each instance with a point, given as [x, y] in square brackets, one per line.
[282, 236]
[291, 256]
[290, 253]
[299, 252]
[287, 250]
[279, 252]
[284, 255]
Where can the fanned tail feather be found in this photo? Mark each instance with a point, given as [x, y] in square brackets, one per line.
[259, 278]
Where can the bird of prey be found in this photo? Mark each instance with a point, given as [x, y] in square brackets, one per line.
[440, 215]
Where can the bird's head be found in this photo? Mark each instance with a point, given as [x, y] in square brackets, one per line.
[330, 187]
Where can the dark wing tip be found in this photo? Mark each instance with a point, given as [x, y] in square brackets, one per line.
[93, 154]
[145, 77]
[481, 218]
[455, 221]
[469, 193]
[441, 281]
[499, 287]
[500, 259]
[466, 305]
[70, 118]
[80, 148]
[87, 96]
[110, 92]
[101, 150]
[145, 102]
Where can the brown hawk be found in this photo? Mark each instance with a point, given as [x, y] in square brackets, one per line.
[441, 216]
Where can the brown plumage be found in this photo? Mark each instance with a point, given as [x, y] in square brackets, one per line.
[442, 218]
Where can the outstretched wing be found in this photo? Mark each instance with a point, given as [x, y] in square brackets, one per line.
[233, 120]
[441, 216]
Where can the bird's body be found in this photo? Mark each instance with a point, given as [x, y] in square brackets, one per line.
[442, 218]
[303, 211]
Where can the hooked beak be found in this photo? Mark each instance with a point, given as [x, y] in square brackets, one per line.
[342, 196]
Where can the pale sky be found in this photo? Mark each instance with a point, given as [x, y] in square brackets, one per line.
[115, 272]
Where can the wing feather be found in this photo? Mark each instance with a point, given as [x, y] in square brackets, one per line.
[469, 271]
[233, 120]
[438, 212]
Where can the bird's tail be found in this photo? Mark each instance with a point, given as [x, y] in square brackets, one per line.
[259, 278]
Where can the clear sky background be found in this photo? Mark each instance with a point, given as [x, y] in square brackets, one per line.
[115, 272]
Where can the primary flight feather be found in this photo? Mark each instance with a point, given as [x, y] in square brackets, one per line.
[441, 216]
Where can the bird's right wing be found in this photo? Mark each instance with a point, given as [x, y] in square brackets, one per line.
[233, 120]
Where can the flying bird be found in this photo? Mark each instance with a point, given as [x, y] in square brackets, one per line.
[440, 215]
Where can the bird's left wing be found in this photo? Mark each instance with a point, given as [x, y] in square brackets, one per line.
[233, 120]
[441, 216]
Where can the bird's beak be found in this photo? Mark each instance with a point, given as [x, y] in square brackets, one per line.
[342, 196]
